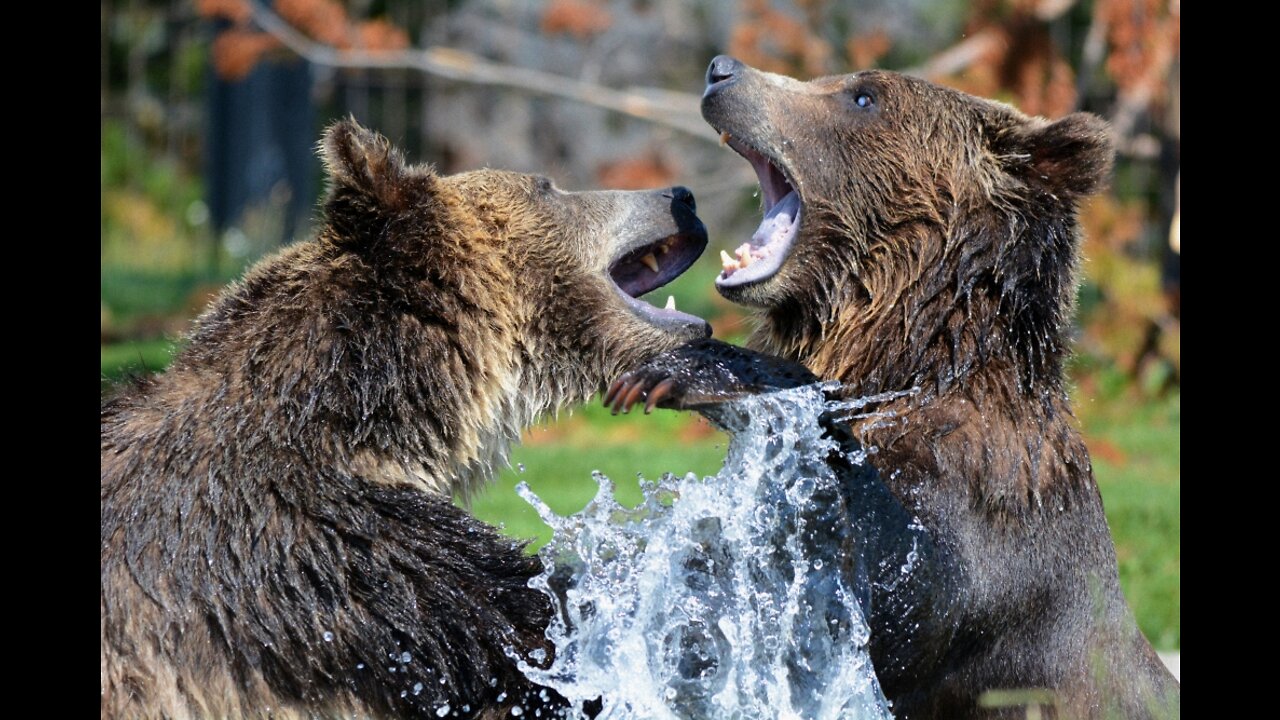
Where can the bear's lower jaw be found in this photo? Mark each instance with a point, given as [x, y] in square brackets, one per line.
[667, 319]
[650, 266]
[770, 246]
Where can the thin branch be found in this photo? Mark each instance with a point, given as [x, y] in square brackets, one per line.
[958, 56]
[678, 111]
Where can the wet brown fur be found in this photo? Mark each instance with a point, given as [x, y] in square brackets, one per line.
[277, 524]
[938, 250]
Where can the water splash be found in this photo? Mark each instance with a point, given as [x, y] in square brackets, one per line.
[727, 597]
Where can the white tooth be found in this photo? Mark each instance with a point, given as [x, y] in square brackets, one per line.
[724, 139]
[650, 262]
[671, 303]
[727, 261]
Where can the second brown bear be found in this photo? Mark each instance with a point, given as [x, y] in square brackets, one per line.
[922, 242]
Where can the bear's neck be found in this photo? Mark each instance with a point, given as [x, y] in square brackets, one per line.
[430, 395]
[938, 313]
[975, 339]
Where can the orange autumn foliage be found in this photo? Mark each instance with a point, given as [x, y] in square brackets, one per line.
[578, 18]
[771, 40]
[237, 11]
[323, 20]
[864, 50]
[636, 173]
[237, 51]
[1137, 32]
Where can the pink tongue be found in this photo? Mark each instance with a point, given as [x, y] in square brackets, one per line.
[777, 225]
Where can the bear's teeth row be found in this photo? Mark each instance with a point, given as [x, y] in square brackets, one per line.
[651, 260]
[746, 255]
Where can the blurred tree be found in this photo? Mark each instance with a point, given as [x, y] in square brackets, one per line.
[438, 77]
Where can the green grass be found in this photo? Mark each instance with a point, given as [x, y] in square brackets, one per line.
[135, 357]
[1136, 451]
[558, 461]
[129, 292]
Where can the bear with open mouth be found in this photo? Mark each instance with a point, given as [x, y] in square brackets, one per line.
[278, 537]
[923, 243]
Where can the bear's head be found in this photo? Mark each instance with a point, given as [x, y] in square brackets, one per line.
[513, 264]
[883, 191]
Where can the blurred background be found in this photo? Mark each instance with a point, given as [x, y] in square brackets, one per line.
[211, 110]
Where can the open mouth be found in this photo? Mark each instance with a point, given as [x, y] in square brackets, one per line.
[650, 266]
[760, 258]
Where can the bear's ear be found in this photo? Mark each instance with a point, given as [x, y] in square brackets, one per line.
[363, 162]
[1072, 156]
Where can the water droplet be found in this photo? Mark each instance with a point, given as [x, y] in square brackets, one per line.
[359, 666]
[519, 467]
[517, 711]
[444, 710]
[328, 636]
[405, 657]
[404, 693]
[417, 688]
[502, 696]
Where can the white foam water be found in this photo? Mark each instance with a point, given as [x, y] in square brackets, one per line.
[724, 597]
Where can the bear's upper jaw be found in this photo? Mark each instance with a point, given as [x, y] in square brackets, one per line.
[639, 270]
[770, 245]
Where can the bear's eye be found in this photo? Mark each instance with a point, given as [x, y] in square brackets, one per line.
[863, 99]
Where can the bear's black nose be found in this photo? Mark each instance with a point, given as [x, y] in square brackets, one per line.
[681, 195]
[722, 68]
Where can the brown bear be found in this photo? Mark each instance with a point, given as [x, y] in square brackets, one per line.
[922, 242]
[277, 533]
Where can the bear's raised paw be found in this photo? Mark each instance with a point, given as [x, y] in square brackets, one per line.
[700, 374]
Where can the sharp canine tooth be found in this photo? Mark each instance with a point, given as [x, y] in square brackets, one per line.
[726, 260]
[724, 139]
[650, 262]
[671, 302]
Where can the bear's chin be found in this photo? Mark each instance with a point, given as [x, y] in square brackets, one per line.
[762, 294]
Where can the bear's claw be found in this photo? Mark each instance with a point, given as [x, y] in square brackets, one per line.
[701, 374]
